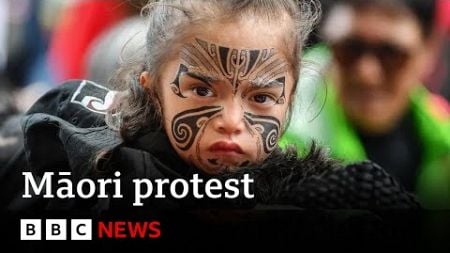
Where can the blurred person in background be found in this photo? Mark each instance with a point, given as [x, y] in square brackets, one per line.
[438, 80]
[30, 25]
[81, 24]
[41, 42]
[44, 42]
[113, 47]
[25, 27]
[3, 34]
[375, 106]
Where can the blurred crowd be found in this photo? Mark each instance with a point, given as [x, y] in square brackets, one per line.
[377, 73]
[44, 42]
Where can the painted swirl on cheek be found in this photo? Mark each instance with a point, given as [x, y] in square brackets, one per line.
[186, 125]
[268, 127]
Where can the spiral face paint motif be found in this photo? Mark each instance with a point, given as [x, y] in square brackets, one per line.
[186, 125]
[226, 72]
[268, 128]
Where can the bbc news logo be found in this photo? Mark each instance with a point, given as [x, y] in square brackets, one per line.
[55, 229]
[81, 229]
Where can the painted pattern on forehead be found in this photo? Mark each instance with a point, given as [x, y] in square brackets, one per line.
[235, 65]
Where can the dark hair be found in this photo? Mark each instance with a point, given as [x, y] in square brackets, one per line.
[423, 10]
[137, 109]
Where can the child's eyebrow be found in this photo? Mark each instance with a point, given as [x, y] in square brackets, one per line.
[204, 78]
[259, 84]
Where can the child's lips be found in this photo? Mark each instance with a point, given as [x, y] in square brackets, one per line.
[226, 148]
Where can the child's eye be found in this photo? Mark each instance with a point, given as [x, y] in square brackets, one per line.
[203, 92]
[263, 99]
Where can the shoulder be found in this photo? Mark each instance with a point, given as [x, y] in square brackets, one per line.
[432, 117]
[68, 122]
[317, 181]
[10, 139]
[433, 105]
[363, 185]
[81, 102]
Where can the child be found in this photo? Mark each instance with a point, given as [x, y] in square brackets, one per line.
[210, 94]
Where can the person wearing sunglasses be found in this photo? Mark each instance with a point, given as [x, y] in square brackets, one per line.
[374, 106]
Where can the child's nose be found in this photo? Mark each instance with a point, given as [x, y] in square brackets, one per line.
[232, 120]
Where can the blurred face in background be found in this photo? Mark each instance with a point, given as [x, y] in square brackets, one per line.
[380, 57]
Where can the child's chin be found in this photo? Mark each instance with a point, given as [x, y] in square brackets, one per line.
[221, 168]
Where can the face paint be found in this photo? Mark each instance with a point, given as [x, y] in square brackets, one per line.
[267, 127]
[186, 125]
[213, 162]
[175, 85]
[236, 65]
[209, 79]
[216, 164]
[282, 99]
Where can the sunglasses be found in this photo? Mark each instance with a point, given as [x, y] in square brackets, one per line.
[391, 57]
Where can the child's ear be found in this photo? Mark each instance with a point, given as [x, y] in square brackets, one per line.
[144, 79]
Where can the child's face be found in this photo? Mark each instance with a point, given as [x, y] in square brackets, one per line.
[226, 96]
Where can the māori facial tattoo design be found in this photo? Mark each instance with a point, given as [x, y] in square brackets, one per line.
[266, 126]
[215, 163]
[186, 125]
[260, 67]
